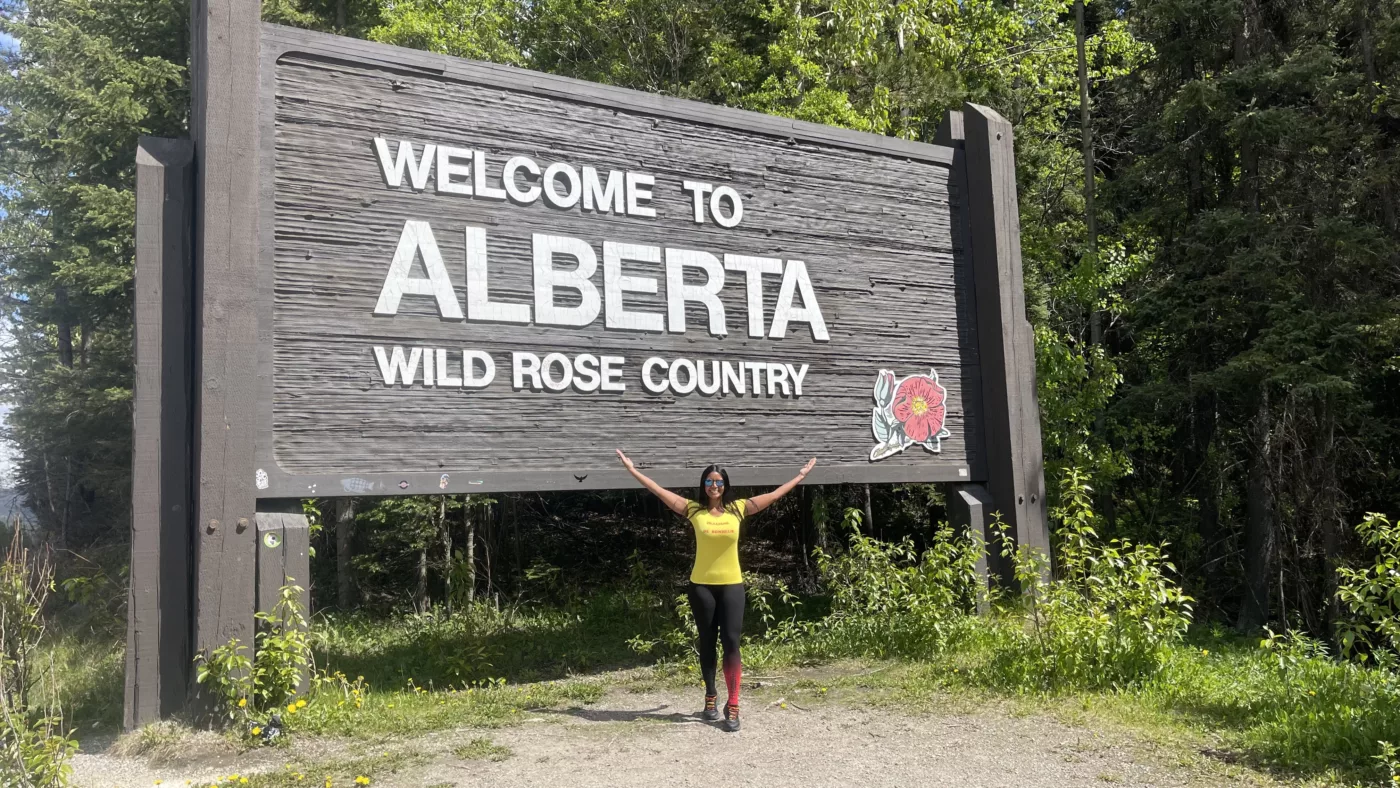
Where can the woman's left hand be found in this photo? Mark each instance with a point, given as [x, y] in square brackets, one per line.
[806, 469]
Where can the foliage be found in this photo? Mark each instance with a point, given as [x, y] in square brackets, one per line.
[259, 693]
[1372, 596]
[33, 744]
[1108, 616]
[887, 599]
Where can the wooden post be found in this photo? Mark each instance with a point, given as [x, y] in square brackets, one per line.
[158, 636]
[224, 54]
[969, 511]
[1006, 344]
[283, 557]
[344, 577]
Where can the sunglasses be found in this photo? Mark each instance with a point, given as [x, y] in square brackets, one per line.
[714, 483]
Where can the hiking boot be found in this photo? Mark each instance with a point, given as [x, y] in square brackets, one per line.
[731, 717]
[710, 712]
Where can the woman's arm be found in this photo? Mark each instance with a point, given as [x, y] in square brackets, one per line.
[760, 502]
[673, 502]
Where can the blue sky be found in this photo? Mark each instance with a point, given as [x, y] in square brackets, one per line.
[6, 42]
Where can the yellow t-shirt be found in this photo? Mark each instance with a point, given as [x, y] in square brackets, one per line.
[716, 544]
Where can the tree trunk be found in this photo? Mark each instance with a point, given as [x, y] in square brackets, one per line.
[344, 532]
[869, 512]
[804, 528]
[1259, 527]
[340, 16]
[420, 596]
[446, 533]
[64, 327]
[469, 545]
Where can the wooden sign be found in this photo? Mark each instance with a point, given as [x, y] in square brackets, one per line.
[483, 278]
[376, 271]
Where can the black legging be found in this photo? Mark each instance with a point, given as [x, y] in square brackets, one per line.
[719, 610]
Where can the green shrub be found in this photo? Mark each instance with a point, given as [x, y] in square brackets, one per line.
[33, 743]
[888, 600]
[1371, 596]
[259, 694]
[1108, 616]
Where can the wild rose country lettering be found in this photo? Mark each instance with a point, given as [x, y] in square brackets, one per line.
[569, 266]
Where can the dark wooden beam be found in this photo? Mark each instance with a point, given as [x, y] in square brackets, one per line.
[158, 636]
[1015, 464]
[223, 123]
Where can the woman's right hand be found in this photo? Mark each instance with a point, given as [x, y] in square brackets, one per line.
[626, 461]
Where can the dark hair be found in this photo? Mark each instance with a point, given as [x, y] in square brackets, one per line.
[702, 500]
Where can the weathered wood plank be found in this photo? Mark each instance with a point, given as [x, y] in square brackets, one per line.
[876, 231]
[1015, 466]
[969, 512]
[157, 648]
[224, 84]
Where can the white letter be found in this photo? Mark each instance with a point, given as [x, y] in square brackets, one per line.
[755, 369]
[443, 378]
[523, 364]
[754, 268]
[586, 376]
[612, 372]
[777, 376]
[513, 190]
[551, 172]
[698, 191]
[446, 168]
[713, 385]
[615, 284]
[567, 377]
[651, 385]
[809, 312]
[690, 381]
[597, 197]
[488, 366]
[678, 292]
[429, 379]
[394, 368]
[417, 170]
[418, 237]
[735, 375]
[479, 304]
[721, 219]
[797, 376]
[479, 179]
[547, 278]
[639, 190]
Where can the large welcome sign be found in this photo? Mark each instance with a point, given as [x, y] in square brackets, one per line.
[486, 279]
[375, 271]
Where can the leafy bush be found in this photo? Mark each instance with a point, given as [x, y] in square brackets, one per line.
[1371, 596]
[255, 692]
[33, 743]
[1107, 618]
[886, 599]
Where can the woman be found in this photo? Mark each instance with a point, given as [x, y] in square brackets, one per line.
[716, 586]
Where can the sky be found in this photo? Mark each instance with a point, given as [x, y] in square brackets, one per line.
[6, 42]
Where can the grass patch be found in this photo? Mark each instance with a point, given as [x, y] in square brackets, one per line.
[482, 749]
[332, 774]
[414, 709]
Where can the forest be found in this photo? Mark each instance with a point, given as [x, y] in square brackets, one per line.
[1210, 219]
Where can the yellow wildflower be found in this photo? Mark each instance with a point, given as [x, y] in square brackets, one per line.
[1205, 652]
[362, 780]
[243, 780]
[242, 703]
[301, 703]
[291, 708]
[256, 731]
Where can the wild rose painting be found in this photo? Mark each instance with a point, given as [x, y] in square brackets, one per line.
[907, 412]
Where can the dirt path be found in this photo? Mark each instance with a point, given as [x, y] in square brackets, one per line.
[654, 738]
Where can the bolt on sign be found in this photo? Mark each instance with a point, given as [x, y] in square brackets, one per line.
[415, 274]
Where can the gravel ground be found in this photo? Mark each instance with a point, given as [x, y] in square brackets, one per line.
[654, 738]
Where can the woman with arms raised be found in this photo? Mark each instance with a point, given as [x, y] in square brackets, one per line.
[716, 586]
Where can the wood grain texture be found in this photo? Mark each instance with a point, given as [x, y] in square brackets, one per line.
[224, 84]
[158, 636]
[1016, 473]
[879, 234]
